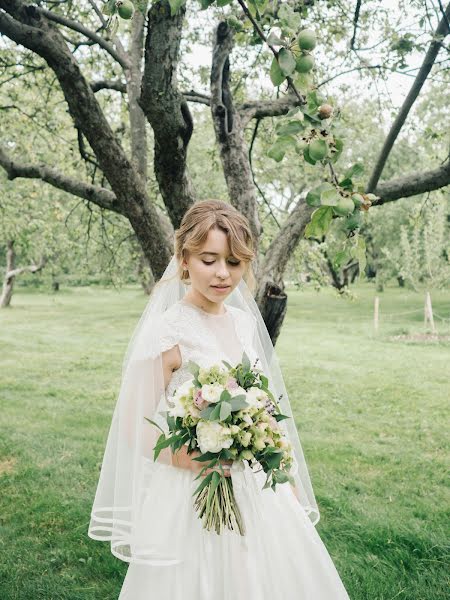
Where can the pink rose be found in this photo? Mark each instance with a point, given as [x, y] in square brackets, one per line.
[231, 383]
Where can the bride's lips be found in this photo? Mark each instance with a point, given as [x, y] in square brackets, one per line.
[221, 290]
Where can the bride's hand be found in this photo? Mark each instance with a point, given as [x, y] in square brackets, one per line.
[184, 460]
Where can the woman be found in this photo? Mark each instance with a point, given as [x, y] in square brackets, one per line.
[203, 312]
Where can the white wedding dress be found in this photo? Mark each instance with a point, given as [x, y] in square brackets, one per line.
[280, 557]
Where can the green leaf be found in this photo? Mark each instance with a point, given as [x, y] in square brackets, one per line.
[303, 82]
[204, 483]
[307, 157]
[313, 197]
[339, 147]
[340, 258]
[280, 417]
[276, 74]
[354, 171]
[279, 148]
[175, 6]
[281, 476]
[109, 8]
[204, 4]
[193, 368]
[238, 402]
[206, 412]
[290, 128]
[245, 362]
[225, 410]
[223, 2]
[286, 61]
[274, 40]
[329, 197]
[141, 5]
[359, 252]
[156, 424]
[273, 460]
[346, 184]
[215, 413]
[212, 488]
[320, 222]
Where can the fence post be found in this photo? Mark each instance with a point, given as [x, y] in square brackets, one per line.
[429, 312]
[375, 313]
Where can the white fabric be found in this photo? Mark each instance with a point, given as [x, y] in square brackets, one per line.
[281, 556]
[128, 467]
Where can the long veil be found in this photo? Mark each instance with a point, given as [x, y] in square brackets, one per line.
[127, 463]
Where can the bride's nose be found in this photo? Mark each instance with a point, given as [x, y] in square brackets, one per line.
[222, 271]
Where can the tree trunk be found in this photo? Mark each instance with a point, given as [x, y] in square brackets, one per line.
[8, 282]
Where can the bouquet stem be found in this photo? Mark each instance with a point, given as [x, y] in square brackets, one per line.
[223, 510]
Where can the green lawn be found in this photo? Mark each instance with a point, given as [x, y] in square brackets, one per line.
[372, 414]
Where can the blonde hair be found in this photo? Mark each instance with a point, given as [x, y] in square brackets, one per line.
[205, 215]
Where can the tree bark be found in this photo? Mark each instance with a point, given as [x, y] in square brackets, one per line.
[12, 272]
[166, 109]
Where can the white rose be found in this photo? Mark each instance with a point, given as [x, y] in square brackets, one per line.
[212, 391]
[254, 397]
[213, 437]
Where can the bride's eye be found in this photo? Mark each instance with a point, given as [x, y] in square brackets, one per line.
[233, 264]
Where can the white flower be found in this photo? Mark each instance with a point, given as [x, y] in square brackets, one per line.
[179, 399]
[254, 397]
[178, 409]
[237, 391]
[184, 389]
[212, 391]
[212, 436]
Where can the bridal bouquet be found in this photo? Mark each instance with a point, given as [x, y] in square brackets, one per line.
[227, 413]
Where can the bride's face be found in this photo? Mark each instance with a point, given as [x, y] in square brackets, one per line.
[212, 266]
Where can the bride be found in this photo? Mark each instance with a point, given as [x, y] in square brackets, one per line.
[202, 311]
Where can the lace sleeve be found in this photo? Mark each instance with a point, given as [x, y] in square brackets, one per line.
[170, 334]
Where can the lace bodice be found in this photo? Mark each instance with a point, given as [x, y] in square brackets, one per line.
[205, 338]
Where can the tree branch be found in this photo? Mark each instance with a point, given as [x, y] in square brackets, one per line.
[94, 193]
[27, 26]
[267, 108]
[413, 184]
[98, 39]
[105, 84]
[441, 31]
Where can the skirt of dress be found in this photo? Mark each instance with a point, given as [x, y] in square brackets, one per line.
[280, 557]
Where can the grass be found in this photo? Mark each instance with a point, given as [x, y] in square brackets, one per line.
[372, 415]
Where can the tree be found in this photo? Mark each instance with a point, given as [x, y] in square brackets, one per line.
[154, 97]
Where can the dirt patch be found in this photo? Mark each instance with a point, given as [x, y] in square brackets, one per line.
[7, 466]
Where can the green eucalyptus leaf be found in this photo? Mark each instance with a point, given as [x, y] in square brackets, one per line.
[225, 410]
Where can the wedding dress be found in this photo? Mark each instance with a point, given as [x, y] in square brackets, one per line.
[280, 557]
